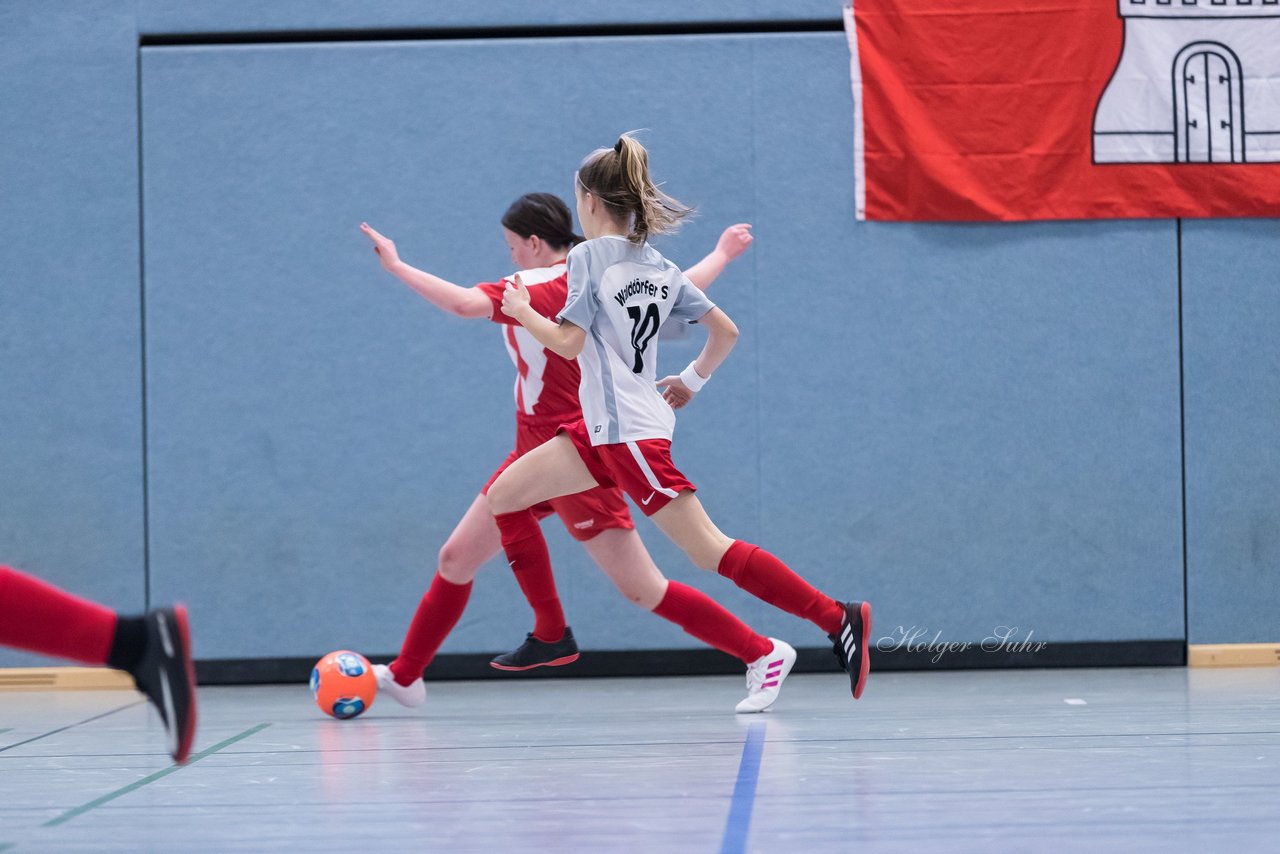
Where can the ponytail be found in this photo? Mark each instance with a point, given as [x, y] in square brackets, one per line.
[620, 178]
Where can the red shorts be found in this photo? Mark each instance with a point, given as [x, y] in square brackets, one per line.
[584, 514]
[643, 469]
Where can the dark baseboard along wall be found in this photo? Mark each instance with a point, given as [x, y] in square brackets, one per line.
[708, 662]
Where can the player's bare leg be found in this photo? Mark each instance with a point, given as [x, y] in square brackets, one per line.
[623, 557]
[548, 471]
[687, 524]
[473, 542]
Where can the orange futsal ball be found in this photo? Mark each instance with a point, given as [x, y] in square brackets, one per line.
[343, 684]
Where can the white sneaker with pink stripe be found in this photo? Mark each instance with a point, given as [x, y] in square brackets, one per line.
[765, 676]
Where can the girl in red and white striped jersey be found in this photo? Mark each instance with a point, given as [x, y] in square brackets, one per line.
[538, 231]
[621, 291]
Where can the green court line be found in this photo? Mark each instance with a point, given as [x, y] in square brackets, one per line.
[5, 729]
[71, 726]
[138, 784]
[5, 846]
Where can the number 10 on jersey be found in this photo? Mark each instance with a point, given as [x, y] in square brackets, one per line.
[644, 325]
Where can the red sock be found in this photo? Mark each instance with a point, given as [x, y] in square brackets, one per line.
[765, 577]
[529, 560]
[708, 621]
[438, 612]
[39, 617]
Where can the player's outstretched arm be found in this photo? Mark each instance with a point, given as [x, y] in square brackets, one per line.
[455, 299]
[722, 334]
[563, 339]
[733, 242]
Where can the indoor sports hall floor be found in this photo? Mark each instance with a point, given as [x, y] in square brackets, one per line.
[1127, 760]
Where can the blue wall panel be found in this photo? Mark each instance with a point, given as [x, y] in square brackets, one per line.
[975, 426]
[316, 430]
[905, 419]
[70, 378]
[1231, 311]
[246, 16]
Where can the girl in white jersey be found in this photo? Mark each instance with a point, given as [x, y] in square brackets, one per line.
[621, 291]
[538, 230]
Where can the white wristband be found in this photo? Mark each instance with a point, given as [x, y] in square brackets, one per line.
[692, 380]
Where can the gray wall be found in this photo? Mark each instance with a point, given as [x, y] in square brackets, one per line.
[973, 426]
[1231, 323]
[71, 454]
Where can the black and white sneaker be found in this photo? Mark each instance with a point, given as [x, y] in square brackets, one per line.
[536, 653]
[850, 645]
[166, 674]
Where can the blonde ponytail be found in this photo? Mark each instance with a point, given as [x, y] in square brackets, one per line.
[620, 178]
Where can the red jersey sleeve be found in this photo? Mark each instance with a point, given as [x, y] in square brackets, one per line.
[493, 290]
[547, 298]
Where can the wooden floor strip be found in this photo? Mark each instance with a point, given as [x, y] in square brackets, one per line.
[1234, 655]
[63, 678]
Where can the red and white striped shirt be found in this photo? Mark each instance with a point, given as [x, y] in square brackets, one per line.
[546, 384]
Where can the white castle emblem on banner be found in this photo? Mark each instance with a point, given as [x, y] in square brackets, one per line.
[1198, 82]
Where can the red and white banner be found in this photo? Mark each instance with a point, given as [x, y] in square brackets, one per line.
[1065, 109]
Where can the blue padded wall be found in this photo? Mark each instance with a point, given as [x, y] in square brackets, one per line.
[247, 16]
[973, 426]
[71, 503]
[1231, 311]
[316, 429]
[904, 419]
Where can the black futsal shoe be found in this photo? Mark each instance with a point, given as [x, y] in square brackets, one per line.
[535, 653]
[850, 645]
[166, 674]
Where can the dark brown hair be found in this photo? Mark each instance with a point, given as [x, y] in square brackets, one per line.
[619, 177]
[543, 214]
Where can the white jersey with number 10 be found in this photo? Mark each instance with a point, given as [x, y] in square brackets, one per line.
[621, 294]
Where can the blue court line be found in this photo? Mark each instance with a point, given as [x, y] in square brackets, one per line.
[138, 784]
[744, 792]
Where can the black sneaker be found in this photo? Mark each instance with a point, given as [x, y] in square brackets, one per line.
[167, 676]
[850, 646]
[535, 653]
